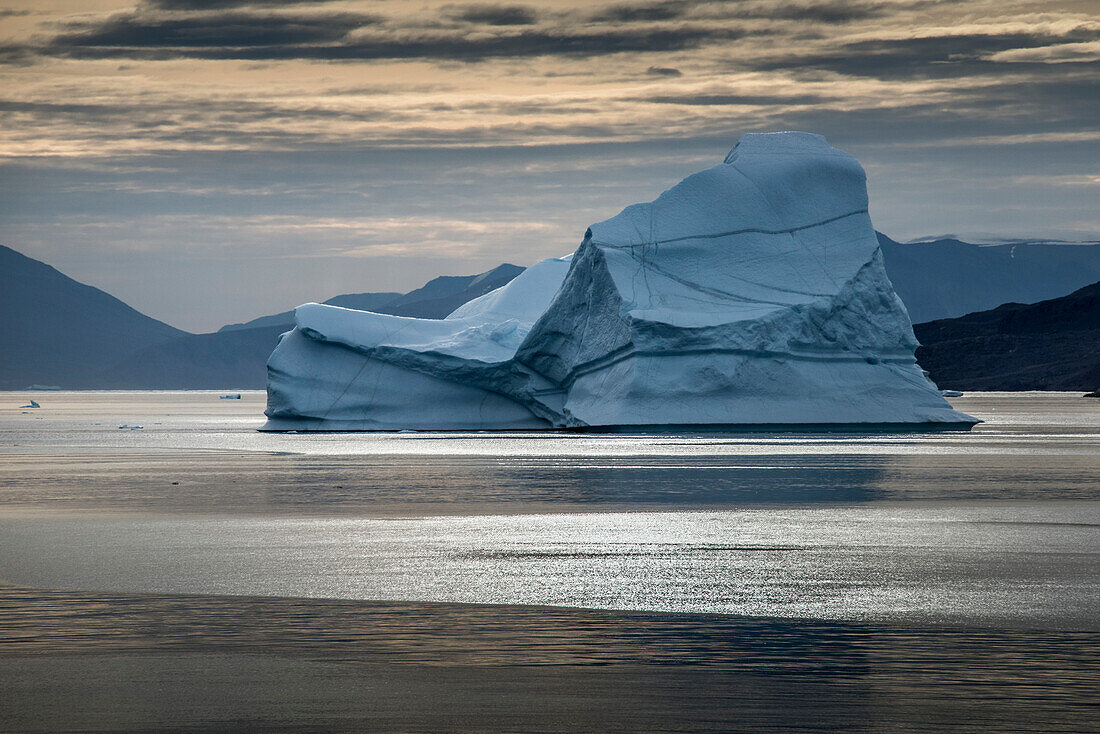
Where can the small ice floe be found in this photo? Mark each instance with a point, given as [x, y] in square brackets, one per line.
[951, 393]
[34, 404]
[232, 396]
[128, 427]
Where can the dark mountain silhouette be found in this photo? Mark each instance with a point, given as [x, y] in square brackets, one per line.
[236, 356]
[440, 296]
[59, 332]
[434, 300]
[1051, 345]
[219, 361]
[948, 278]
[358, 301]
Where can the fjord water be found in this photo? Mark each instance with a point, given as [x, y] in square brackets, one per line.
[169, 577]
[1000, 525]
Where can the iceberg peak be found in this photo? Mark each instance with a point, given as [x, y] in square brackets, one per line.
[781, 143]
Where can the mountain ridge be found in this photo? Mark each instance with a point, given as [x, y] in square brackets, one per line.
[360, 301]
[947, 278]
[433, 300]
[1050, 345]
[58, 330]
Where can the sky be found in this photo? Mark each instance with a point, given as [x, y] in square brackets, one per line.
[210, 161]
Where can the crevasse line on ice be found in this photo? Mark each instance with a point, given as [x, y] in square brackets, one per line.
[747, 230]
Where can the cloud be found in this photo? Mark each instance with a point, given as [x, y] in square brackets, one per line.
[226, 4]
[1084, 179]
[55, 108]
[180, 118]
[818, 12]
[1058, 54]
[933, 56]
[823, 11]
[496, 15]
[330, 37]
[720, 100]
[641, 13]
[663, 71]
[20, 54]
[118, 33]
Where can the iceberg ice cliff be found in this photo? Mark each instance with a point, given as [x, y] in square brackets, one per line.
[750, 294]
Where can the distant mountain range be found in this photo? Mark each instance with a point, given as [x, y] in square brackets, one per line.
[434, 300]
[236, 355]
[948, 278]
[1051, 345]
[359, 301]
[61, 332]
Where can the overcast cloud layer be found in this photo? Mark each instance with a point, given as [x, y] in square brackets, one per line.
[212, 160]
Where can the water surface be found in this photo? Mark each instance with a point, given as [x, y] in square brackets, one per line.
[1000, 525]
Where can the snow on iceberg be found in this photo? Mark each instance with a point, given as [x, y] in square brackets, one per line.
[750, 294]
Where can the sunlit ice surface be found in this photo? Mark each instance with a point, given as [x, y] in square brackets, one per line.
[997, 525]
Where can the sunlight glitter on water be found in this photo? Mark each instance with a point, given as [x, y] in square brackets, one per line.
[1019, 563]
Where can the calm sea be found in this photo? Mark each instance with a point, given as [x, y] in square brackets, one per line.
[997, 526]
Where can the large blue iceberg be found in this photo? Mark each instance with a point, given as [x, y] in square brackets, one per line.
[750, 294]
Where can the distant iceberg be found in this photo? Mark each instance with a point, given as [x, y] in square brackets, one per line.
[751, 294]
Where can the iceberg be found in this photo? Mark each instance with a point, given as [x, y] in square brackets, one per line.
[749, 295]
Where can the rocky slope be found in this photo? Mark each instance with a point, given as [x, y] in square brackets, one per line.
[1051, 345]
